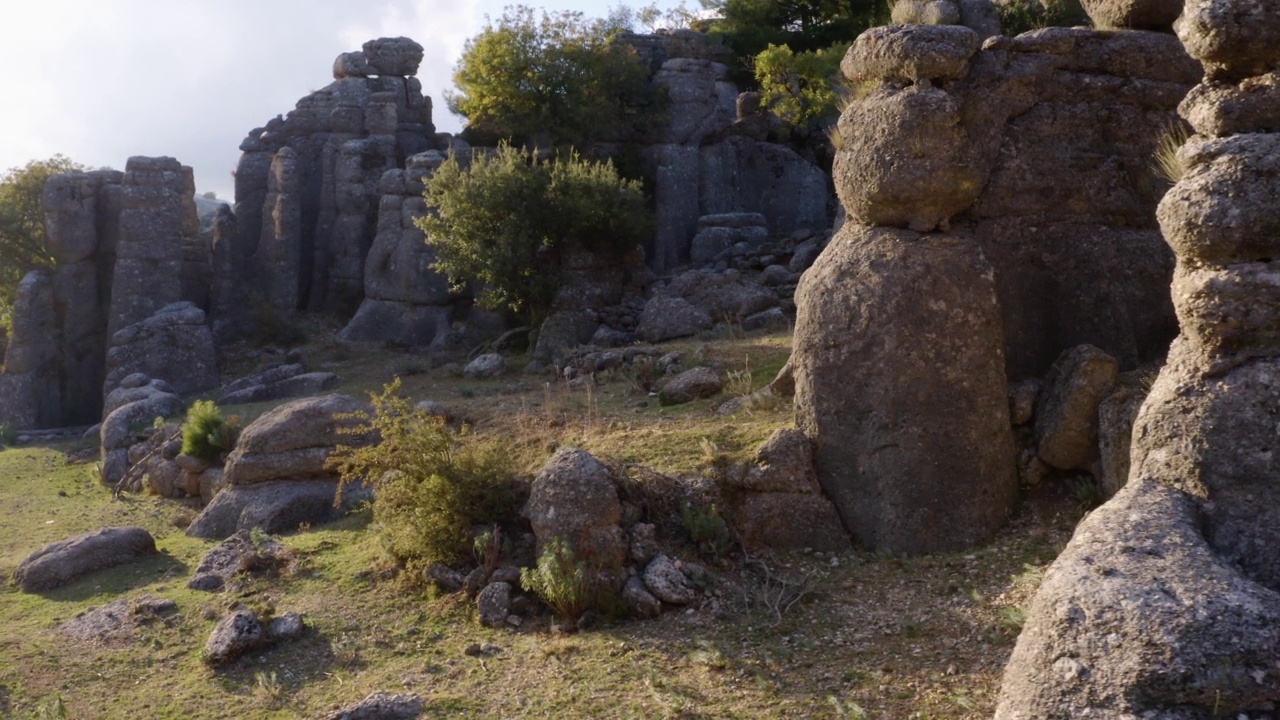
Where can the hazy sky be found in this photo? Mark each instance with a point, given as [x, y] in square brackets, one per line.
[100, 80]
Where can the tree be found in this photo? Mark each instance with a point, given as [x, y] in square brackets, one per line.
[802, 89]
[506, 221]
[750, 26]
[22, 238]
[557, 79]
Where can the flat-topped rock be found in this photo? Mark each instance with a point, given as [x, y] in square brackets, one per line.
[910, 53]
[64, 561]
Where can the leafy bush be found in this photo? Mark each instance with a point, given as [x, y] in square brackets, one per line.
[205, 434]
[706, 529]
[549, 80]
[567, 585]
[801, 88]
[506, 221]
[431, 484]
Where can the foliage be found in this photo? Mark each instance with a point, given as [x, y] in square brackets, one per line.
[548, 80]
[506, 221]
[567, 585]
[1026, 15]
[430, 482]
[22, 238]
[749, 27]
[271, 326]
[650, 18]
[802, 89]
[205, 434]
[706, 528]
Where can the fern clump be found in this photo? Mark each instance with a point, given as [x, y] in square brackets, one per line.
[431, 483]
[206, 434]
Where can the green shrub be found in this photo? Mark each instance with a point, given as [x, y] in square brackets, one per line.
[568, 585]
[205, 434]
[431, 484]
[706, 529]
[506, 221]
[1021, 16]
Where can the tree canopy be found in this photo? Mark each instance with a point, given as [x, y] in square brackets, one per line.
[750, 26]
[548, 79]
[507, 219]
[22, 238]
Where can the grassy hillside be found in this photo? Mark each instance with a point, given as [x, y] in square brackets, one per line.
[876, 636]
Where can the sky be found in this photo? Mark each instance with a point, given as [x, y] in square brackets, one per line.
[99, 81]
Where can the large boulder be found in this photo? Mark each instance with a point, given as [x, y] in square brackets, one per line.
[175, 345]
[910, 53]
[692, 384]
[295, 440]
[917, 454]
[117, 432]
[1067, 409]
[1141, 617]
[235, 635]
[1136, 14]
[61, 562]
[274, 507]
[574, 498]
[668, 318]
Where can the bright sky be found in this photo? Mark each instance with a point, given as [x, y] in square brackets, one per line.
[100, 80]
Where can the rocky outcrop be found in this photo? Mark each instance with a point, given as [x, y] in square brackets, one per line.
[917, 455]
[1067, 409]
[278, 477]
[307, 199]
[1167, 600]
[574, 498]
[62, 562]
[174, 345]
[140, 401]
[775, 501]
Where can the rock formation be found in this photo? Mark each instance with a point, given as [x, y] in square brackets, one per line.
[307, 184]
[706, 144]
[1166, 603]
[128, 245]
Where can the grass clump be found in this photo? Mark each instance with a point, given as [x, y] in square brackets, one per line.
[706, 529]
[431, 483]
[1167, 164]
[568, 585]
[206, 434]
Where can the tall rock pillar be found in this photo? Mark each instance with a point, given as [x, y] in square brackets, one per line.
[898, 353]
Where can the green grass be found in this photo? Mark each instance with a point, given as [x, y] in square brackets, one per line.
[878, 637]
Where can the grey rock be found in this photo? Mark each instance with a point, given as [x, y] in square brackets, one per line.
[493, 604]
[980, 16]
[693, 384]
[444, 577]
[574, 498]
[295, 439]
[393, 56]
[1233, 40]
[238, 553]
[910, 53]
[1219, 109]
[486, 367]
[64, 561]
[233, 636]
[638, 599]
[273, 507]
[562, 332]
[644, 543]
[289, 626]
[1067, 409]
[175, 345]
[413, 325]
[1136, 14]
[668, 318]
[918, 454]
[665, 581]
[1022, 401]
[381, 706]
[1116, 417]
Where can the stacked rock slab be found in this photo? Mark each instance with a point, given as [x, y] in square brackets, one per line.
[307, 184]
[1166, 603]
[898, 365]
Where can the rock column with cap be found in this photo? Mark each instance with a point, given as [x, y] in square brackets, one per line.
[899, 370]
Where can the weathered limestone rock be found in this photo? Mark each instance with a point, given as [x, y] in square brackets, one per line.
[235, 635]
[1219, 109]
[776, 501]
[574, 498]
[30, 388]
[157, 212]
[667, 318]
[1067, 409]
[665, 580]
[59, 563]
[381, 706]
[152, 400]
[1116, 417]
[294, 440]
[911, 53]
[274, 507]
[309, 181]
[175, 345]
[917, 455]
[692, 384]
[1166, 601]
